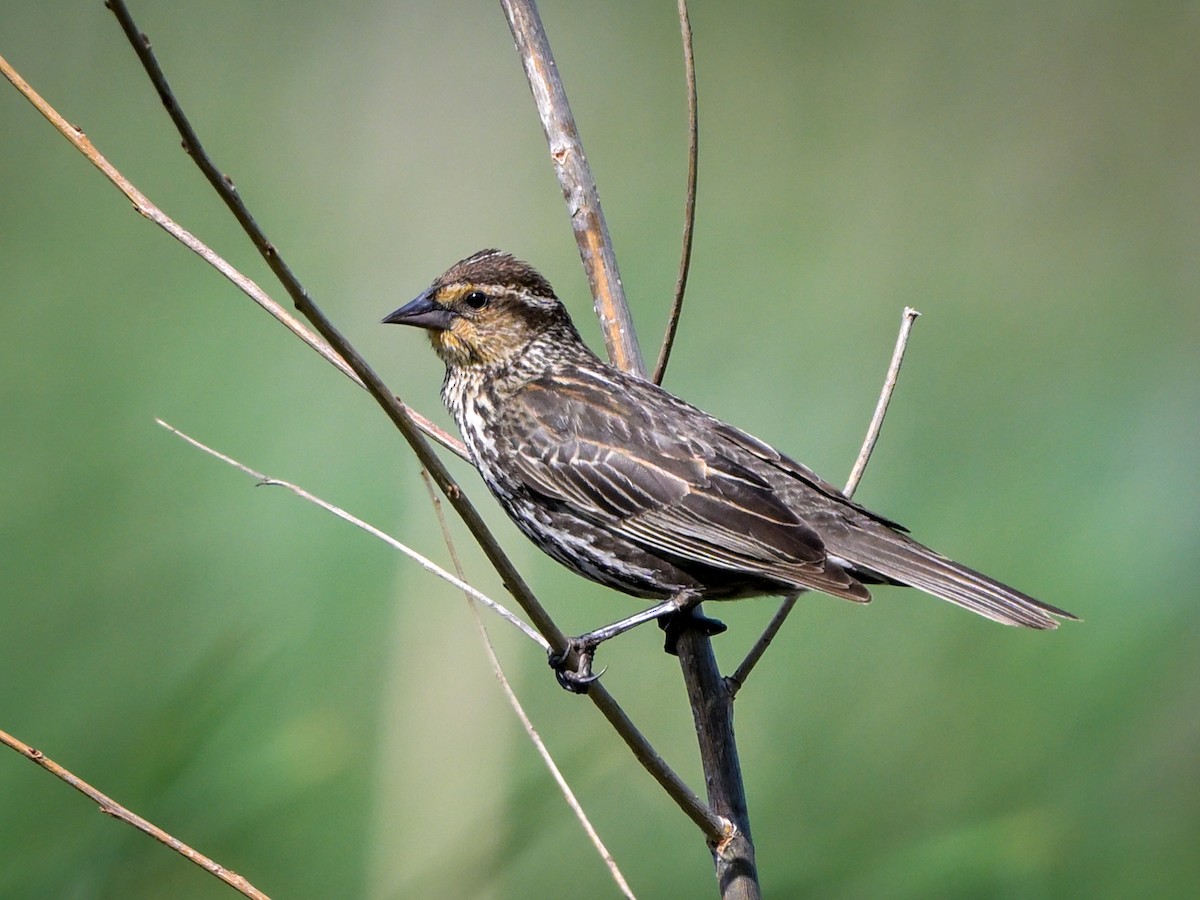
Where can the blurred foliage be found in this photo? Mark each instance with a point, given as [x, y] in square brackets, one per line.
[312, 711]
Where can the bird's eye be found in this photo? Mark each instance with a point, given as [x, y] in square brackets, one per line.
[476, 299]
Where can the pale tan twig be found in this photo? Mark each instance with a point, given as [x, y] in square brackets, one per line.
[147, 209]
[578, 186]
[111, 807]
[742, 672]
[424, 562]
[710, 823]
[907, 318]
[395, 409]
[532, 733]
[689, 206]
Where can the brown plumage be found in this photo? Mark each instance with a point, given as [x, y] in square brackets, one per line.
[632, 487]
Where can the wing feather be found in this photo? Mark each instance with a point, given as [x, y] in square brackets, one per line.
[675, 493]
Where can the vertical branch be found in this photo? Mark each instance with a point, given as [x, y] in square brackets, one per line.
[710, 698]
[578, 187]
[712, 710]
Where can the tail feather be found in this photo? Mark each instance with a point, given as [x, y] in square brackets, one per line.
[899, 559]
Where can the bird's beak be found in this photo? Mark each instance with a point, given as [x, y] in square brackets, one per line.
[424, 312]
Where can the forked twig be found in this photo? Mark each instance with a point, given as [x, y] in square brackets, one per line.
[111, 807]
[907, 318]
[578, 186]
[742, 672]
[689, 206]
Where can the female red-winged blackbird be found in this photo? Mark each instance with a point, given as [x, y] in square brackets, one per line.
[632, 487]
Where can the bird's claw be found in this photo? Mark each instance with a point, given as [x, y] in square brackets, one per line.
[577, 680]
[675, 625]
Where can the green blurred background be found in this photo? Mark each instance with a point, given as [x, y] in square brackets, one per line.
[313, 711]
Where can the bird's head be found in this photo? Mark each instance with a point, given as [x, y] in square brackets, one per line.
[484, 310]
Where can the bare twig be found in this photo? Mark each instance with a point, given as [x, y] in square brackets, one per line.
[111, 807]
[395, 409]
[742, 672]
[532, 733]
[578, 186]
[424, 562]
[908, 317]
[147, 209]
[689, 207]
[399, 413]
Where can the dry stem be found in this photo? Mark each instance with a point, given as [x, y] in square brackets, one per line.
[578, 186]
[111, 807]
[689, 206]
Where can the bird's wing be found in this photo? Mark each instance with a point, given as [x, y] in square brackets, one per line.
[615, 462]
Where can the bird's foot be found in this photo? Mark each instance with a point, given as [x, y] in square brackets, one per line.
[579, 677]
[676, 624]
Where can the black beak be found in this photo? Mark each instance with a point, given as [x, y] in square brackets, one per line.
[424, 312]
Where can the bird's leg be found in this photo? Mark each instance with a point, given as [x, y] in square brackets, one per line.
[584, 647]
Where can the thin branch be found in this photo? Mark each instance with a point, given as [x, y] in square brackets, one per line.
[907, 318]
[742, 672]
[424, 562]
[689, 207]
[111, 807]
[147, 209]
[578, 186]
[395, 409]
[532, 733]
[710, 823]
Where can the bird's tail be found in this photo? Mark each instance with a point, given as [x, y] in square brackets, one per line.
[895, 558]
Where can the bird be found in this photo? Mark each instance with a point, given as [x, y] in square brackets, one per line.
[632, 487]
